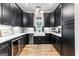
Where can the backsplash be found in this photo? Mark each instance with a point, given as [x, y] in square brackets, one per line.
[5, 30]
[57, 29]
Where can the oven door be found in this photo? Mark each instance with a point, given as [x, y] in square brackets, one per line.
[14, 47]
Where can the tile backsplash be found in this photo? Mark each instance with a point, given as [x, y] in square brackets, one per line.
[5, 30]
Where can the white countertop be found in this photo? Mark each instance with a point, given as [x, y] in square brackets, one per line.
[6, 38]
[57, 34]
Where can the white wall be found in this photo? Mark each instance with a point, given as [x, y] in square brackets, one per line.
[76, 28]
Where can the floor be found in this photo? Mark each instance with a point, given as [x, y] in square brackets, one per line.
[39, 50]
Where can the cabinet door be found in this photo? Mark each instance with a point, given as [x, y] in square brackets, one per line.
[25, 19]
[57, 16]
[5, 13]
[21, 19]
[15, 15]
[53, 41]
[0, 13]
[12, 14]
[5, 49]
[30, 19]
[68, 39]
[36, 40]
[67, 11]
[58, 44]
[47, 38]
[52, 19]
[46, 20]
[25, 39]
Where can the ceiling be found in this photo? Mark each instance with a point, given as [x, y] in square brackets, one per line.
[31, 7]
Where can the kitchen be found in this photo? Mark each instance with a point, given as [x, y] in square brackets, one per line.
[38, 24]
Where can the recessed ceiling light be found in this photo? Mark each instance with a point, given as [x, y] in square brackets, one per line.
[26, 4]
[50, 3]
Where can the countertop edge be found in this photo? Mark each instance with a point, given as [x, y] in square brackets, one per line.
[2, 39]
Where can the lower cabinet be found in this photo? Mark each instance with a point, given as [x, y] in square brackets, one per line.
[5, 49]
[18, 45]
[68, 39]
[42, 39]
[25, 40]
[39, 40]
[57, 42]
[13, 47]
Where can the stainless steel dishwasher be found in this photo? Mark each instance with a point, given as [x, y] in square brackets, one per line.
[16, 46]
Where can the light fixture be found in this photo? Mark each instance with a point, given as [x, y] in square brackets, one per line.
[38, 10]
[41, 11]
[26, 4]
[50, 3]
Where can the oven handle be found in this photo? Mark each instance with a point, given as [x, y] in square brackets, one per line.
[16, 39]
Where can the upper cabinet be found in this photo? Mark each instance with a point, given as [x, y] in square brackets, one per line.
[0, 14]
[25, 19]
[28, 19]
[5, 13]
[46, 20]
[57, 15]
[52, 19]
[11, 14]
[67, 11]
[16, 15]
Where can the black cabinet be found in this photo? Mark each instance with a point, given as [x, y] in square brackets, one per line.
[46, 20]
[48, 37]
[57, 15]
[68, 39]
[25, 39]
[19, 16]
[67, 12]
[42, 39]
[5, 49]
[25, 20]
[52, 21]
[16, 18]
[5, 13]
[12, 14]
[52, 40]
[0, 13]
[57, 43]
[28, 19]
[21, 19]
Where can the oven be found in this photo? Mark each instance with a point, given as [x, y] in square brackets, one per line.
[17, 45]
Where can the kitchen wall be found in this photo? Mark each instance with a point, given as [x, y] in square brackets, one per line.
[76, 5]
